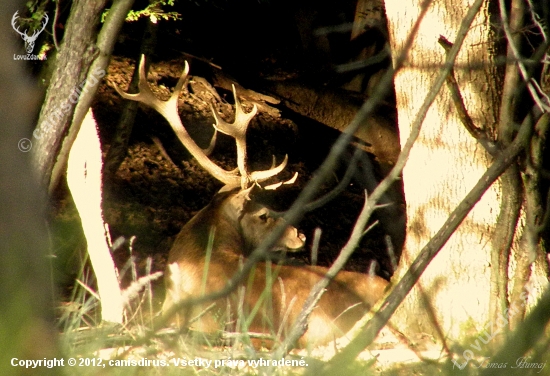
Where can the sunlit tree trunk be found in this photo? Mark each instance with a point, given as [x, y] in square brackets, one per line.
[453, 297]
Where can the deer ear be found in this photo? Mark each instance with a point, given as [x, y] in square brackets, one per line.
[240, 199]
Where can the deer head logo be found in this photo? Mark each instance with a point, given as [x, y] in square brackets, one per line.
[29, 39]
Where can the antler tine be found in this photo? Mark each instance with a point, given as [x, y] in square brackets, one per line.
[146, 96]
[266, 174]
[242, 119]
[212, 144]
[169, 110]
[237, 130]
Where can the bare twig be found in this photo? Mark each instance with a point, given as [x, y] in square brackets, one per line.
[477, 133]
[532, 85]
[54, 23]
[361, 64]
[321, 201]
[204, 60]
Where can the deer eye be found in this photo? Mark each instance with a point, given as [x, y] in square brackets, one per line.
[263, 217]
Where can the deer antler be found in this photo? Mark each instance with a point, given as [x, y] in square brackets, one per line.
[237, 130]
[169, 110]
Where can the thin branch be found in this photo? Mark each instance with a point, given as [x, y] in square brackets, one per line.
[477, 133]
[511, 203]
[350, 171]
[362, 64]
[54, 23]
[538, 19]
[532, 85]
[162, 151]
[300, 326]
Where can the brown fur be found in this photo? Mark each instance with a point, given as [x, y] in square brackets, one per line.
[230, 217]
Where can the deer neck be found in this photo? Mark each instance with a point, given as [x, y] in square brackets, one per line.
[213, 228]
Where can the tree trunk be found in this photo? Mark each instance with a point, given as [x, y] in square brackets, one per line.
[452, 300]
[84, 179]
[73, 61]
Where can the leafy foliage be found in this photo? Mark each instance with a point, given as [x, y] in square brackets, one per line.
[153, 11]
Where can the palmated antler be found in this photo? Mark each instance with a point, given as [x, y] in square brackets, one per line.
[169, 110]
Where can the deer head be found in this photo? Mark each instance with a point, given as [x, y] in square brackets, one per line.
[210, 249]
[29, 39]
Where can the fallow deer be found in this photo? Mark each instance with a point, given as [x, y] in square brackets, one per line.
[210, 248]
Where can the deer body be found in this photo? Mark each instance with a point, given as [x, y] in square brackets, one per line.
[237, 226]
[209, 249]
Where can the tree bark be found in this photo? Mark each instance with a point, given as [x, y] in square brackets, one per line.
[444, 164]
[454, 298]
[73, 61]
[105, 45]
